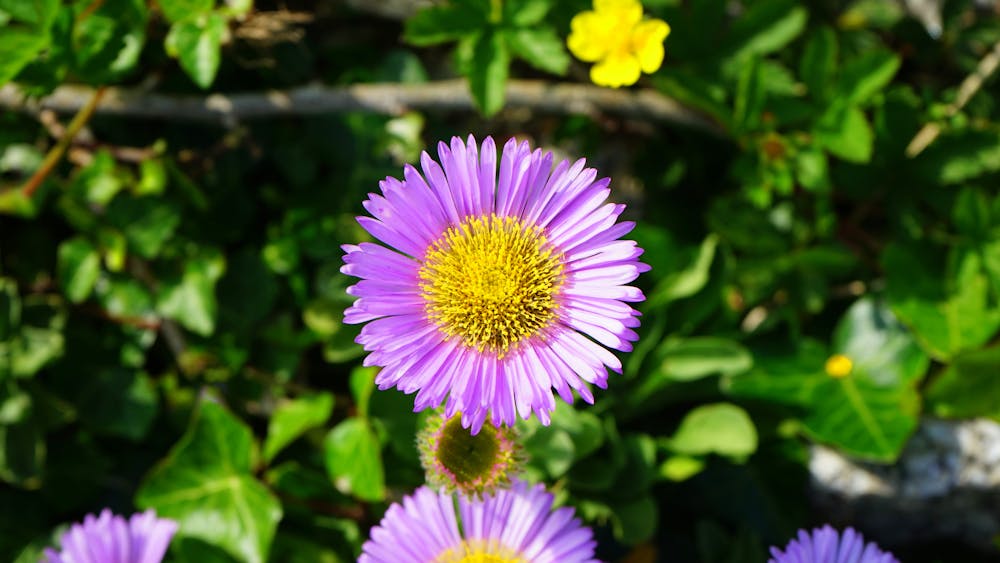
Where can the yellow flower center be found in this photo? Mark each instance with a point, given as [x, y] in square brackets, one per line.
[472, 551]
[491, 281]
[838, 365]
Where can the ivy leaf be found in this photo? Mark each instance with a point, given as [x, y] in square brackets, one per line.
[540, 47]
[37, 13]
[19, 47]
[206, 484]
[354, 461]
[147, 222]
[78, 267]
[107, 43]
[191, 300]
[196, 43]
[487, 72]
[178, 10]
[293, 418]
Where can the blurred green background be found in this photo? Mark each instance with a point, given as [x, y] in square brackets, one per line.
[809, 178]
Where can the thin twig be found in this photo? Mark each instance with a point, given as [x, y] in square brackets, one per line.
[384, 98]
[55, 154]
[972, 83]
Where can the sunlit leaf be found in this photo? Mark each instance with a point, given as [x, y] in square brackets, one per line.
[206, 484]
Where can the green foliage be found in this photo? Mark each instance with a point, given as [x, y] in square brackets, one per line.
[490, 34]
[206, 484]
[171, 300]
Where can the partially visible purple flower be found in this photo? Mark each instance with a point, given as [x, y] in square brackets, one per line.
[826, 545]
[109, 538]
[516, 524]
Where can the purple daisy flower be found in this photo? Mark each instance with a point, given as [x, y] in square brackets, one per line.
[108, 538]
[826, 545]
[515, 524]
[492, 282]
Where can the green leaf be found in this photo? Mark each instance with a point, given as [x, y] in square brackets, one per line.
[19, 47]
[879, 345]
[846, 133]
[31, 350]
[37, 13]
[362, 385]
[191, 300]
[197, 43]
[720, 428]
[107, 43]
[551, 449]
[865, 76]
[10, 308]
[819, 62]
[540, 47]
[767, 27]
[861, 417]
[353, 460]
[440, 24]
[147, 222]
[293, 418]
[22, 454]
[946, 316]
[635, 521]
[969, 387]
[693, 358]
[750, 96]
[583, 427]
[811, 169]
[119, 402]
[955, 158]
[178, 10]
[687, 281]
[35, 333]
[781, 376]
[487, 72]
[972, 215]
[523, 13]
[78, 267]
[100, 181]
[206, 484]
[679, 468]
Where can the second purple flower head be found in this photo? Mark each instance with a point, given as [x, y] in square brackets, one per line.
[495, 284]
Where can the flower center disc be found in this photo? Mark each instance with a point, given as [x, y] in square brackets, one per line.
[491, 281]
[478, 552]
[466, 456]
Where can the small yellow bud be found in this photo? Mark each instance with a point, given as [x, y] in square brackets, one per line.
[838, 365]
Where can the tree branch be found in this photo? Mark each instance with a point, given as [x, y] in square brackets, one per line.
[385, 98]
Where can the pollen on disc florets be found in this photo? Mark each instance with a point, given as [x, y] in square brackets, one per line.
[472, 551]
[491, 281]
[456, 460]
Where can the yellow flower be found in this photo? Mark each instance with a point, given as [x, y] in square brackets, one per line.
[615, 36]
[838, 365]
